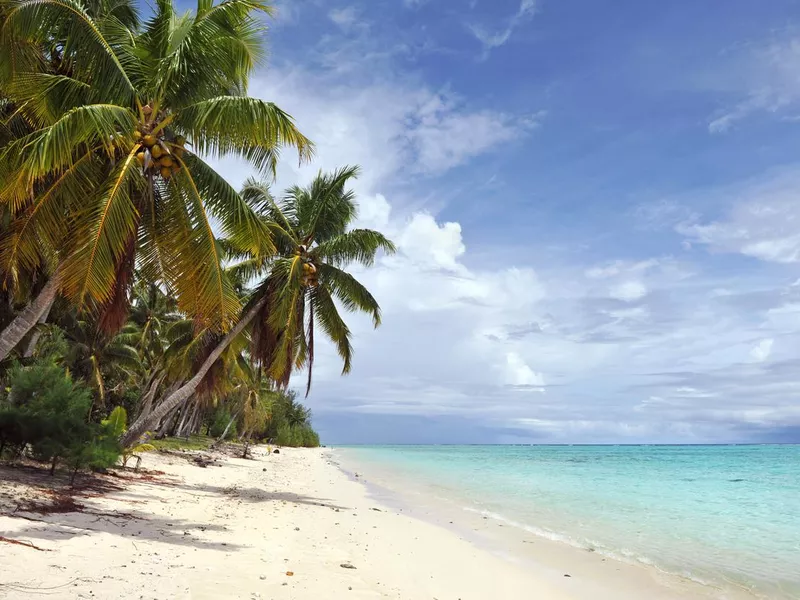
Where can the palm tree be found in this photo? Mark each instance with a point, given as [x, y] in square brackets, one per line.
[310, 229]
[93, 355]
[112, 175]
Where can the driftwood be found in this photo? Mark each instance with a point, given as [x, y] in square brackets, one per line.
[21, 543]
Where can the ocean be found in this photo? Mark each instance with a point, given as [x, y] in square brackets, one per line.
[724, 516]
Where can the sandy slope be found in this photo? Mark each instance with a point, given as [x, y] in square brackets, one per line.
[239, 529]
[234, 531]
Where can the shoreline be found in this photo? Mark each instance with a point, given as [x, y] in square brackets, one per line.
[593, 574]
[288, 526]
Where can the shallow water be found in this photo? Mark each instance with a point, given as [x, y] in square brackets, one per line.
[728, 516]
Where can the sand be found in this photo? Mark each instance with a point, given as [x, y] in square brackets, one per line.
[288, 526]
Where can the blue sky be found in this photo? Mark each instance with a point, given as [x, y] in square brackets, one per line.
[595, 204]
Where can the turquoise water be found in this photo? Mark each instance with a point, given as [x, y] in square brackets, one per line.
[727, 516]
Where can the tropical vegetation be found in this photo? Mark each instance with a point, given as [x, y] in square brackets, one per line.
[142, 295]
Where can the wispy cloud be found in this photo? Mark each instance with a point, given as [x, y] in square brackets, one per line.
[770, 84]
[346, 18]
[763, 222]
[491, 39]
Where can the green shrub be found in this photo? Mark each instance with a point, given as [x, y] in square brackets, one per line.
[48, 412]
[219, 420]
[297, 436]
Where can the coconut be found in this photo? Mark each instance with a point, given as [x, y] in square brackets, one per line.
[140, 156]
[149, 140]
[166, 161]
[137, 135]
[157, 151]
[180, 140]
[166, 172]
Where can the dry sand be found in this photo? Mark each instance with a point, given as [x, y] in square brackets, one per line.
[288, 526]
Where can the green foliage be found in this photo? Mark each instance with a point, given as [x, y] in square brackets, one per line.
[219, 421]
[297, 436]
[47, 411]
[116, 423]
[98, 90]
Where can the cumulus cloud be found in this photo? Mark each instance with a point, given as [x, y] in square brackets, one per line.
[761, 352]
[518, 373]
[429, 244]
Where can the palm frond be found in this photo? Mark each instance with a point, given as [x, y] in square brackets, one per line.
[91, 55]
[358, 245]
[333, 325]
[102, 234]
[247, 127]
[349, 291]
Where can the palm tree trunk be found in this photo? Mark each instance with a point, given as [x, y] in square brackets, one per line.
[187, 410]
[147, 401]
[197, 421]
[31, 348]
[27, 319]
[186, 390]
[168, 424]
[221, 438]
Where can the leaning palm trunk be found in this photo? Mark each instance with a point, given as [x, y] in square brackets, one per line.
[185, 391]
[31, 348]
[28, 318]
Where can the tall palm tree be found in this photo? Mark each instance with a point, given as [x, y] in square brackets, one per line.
[112, 175]
[299, 287]
[307, 276]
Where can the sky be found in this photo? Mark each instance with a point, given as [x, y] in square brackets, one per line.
[595, 205]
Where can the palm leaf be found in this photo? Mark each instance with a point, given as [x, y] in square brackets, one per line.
[247, 127]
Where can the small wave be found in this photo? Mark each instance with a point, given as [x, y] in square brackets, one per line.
[620, 554]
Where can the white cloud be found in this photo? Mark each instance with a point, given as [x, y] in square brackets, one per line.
[518, 373]
[345, 17]
[494, 39]
[429, 245]
[466, 326]
[628, 291]
[389, 127]
[762, 351]
[618, 267]
[445, 137]
[763, 222]
[771, 84]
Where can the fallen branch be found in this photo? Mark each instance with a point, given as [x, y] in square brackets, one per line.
[21, 543]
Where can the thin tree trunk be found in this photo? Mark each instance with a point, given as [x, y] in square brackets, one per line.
[147, 401]
[185, 391]
[168, 424]
[38, 331]
[187, 426]
[27, 319]
[197, 423]
[187, 410]
[221, 438]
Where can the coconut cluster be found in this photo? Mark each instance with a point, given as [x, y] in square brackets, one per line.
[160, 152]
[310, 277]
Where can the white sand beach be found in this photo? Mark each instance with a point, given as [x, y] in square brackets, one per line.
[287, 526]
